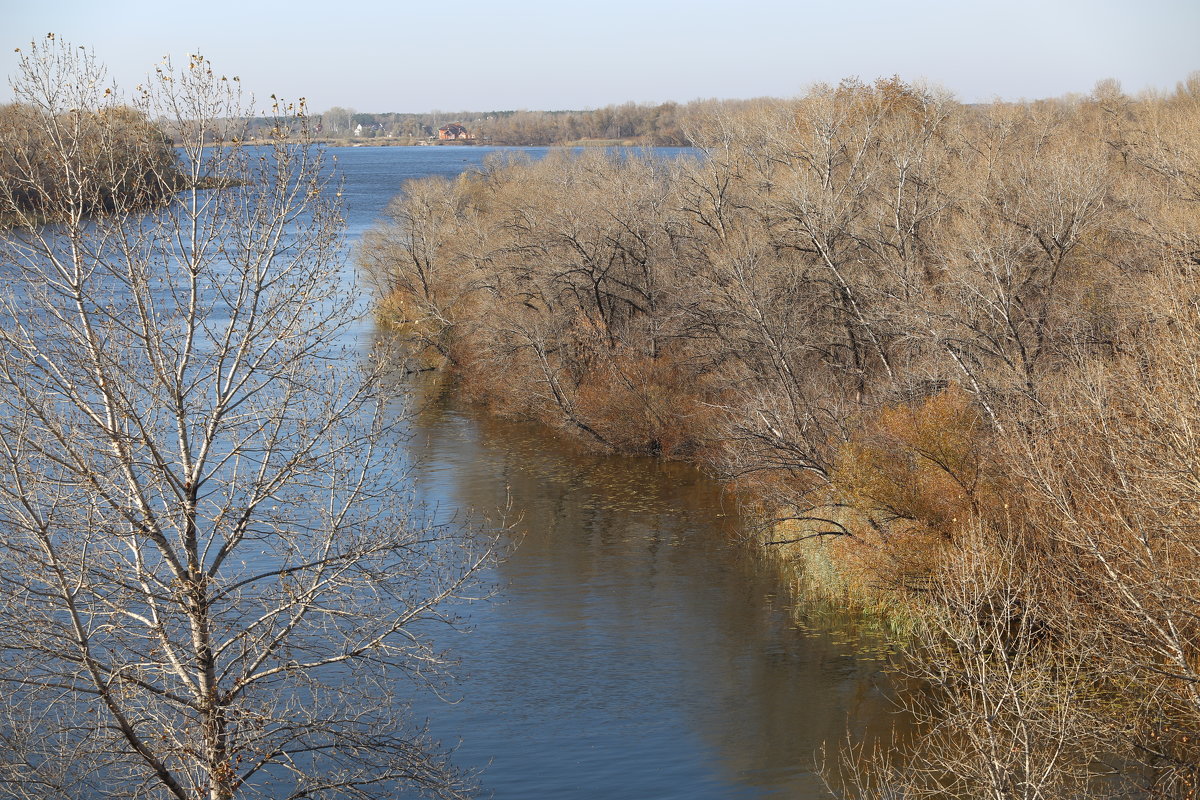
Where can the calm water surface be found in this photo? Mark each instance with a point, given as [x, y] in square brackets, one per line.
[634, 647]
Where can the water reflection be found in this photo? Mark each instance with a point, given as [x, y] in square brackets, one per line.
[636, 647]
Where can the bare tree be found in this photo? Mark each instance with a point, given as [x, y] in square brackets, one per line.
[1002, 711]
[210, 583]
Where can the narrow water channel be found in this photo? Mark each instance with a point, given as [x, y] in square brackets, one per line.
[635, 646]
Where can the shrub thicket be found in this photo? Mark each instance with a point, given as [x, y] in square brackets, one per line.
[952, 347]
[97, 161]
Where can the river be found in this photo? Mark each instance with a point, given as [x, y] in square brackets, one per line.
[635, 645]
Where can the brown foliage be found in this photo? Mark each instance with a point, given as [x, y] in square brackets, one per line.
[917, 464]
[115, 159]
[646, 405]
[956, 346]
[911, 475]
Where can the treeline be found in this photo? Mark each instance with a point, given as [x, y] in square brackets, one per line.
[646, 124]
[91, 161]
[952, 351]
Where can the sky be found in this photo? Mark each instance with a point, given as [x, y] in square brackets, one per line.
[452, 55]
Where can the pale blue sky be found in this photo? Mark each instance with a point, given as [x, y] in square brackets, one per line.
[537, 54]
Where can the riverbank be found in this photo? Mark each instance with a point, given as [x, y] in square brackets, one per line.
[900, 325]
[662, 643]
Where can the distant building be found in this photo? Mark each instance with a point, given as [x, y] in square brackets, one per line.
[358, 130]
[454, 130]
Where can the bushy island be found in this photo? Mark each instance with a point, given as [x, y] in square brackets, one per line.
[91, 161]
[951, 352]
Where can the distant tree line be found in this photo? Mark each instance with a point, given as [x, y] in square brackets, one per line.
[952, 354]
[661, 124]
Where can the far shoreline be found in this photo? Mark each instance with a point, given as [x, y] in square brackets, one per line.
[408, 142]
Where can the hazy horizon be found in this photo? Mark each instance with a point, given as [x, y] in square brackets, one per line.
[533, 54]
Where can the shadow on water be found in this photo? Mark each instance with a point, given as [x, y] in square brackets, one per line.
[637, 645]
